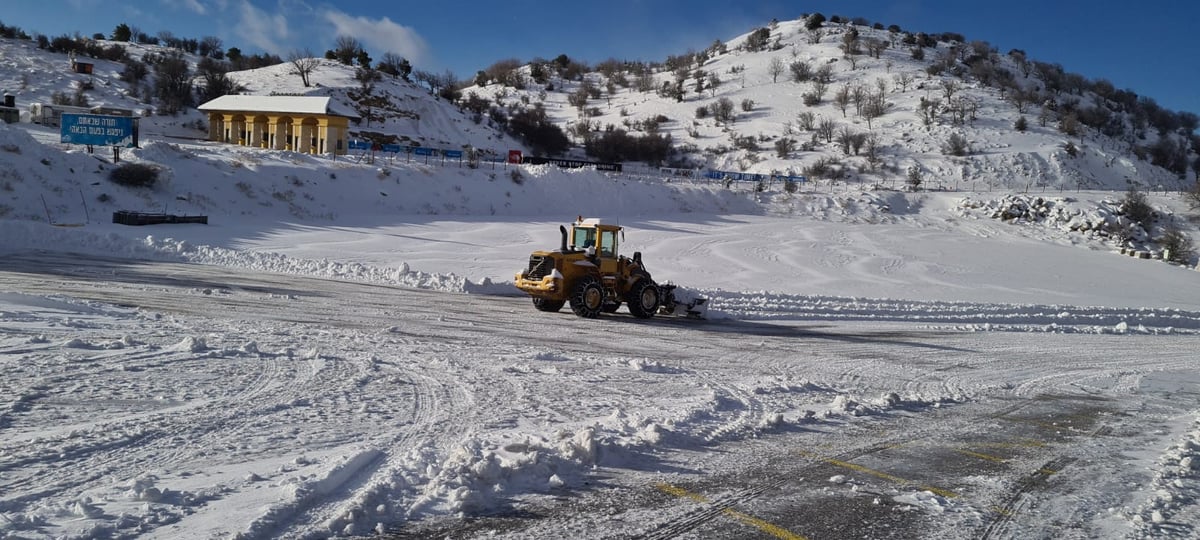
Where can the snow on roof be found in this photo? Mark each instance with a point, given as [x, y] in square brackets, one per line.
[277, 104]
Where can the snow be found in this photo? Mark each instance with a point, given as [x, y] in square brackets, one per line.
[315, 360]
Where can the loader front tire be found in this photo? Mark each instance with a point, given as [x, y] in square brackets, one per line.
[587, 298]
[643, 299]
[548, 305]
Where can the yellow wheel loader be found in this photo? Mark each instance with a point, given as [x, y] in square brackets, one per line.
[588, 272]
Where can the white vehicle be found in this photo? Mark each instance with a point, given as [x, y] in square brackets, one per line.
[50, 114]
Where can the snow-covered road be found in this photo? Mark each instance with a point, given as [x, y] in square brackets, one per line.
[186, 401]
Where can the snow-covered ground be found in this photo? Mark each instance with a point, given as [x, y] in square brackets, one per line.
[340, 351]
[276, 390]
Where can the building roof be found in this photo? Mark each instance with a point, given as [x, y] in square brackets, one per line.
[278, 104]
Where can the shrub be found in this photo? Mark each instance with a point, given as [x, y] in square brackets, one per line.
[1021, 124]
[1135, 207]
[825, 167]
[1177, 246]
[957, 145]
[134, 175]
[619, 145]
[784, 147]
[747, 105]
[914, 179]
[814, 21]
[1192, 196]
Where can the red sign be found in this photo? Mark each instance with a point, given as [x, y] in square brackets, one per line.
[514, 156]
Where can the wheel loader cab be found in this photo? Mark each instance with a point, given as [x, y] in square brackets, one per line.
[591, 233]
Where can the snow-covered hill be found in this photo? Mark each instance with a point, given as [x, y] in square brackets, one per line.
[769, 105]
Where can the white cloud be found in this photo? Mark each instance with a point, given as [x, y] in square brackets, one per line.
[195, 6]
[380, 36]
[268, 31]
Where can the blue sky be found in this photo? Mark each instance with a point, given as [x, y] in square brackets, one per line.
[1148, 47]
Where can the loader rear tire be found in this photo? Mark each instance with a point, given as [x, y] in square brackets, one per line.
[643, 299]
[587, 298]
[545, 304]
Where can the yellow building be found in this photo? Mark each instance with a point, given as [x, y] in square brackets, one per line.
[308, 124]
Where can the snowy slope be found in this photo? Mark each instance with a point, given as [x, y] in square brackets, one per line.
[1001, 157]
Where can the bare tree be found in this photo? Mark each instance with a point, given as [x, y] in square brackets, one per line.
[578, 99]
[303, 64]
[875, 47]
[845, 138]
[903, 80]
[874, 107]
[825, 129]
[871, 149]
[806, 120]
[211, 46]
[714, 81]
[949, 87]
[722, 111]
[775, 68]
[859, 95]
[345, 49]
[823, 74]
[1192, 195]
[819, 89]
[801, 71]
[842, 98]
[394, 65]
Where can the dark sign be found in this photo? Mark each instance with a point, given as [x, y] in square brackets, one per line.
[571, 163]
[98, 130]
[452, 153]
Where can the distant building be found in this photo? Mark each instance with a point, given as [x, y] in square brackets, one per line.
[308, 124]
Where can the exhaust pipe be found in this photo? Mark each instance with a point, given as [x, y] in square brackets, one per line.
[563, 230]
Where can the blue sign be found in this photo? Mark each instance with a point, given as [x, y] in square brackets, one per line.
[99, 130]
[359, 145]
[393, 148]
[452, 153]
[424, 151]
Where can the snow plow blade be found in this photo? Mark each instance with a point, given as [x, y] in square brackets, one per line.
[681, 303]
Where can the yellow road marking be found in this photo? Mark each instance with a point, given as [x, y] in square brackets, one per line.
[880, 474]
[762, 525]
[680, 492]
[769, 528]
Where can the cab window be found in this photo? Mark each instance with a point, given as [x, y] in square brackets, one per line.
[584, 238]
[608, 244]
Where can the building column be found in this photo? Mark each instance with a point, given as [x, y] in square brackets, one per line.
[280, 128]
[237, 131]
[256, 133]
[216, 126]
[304, 140]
